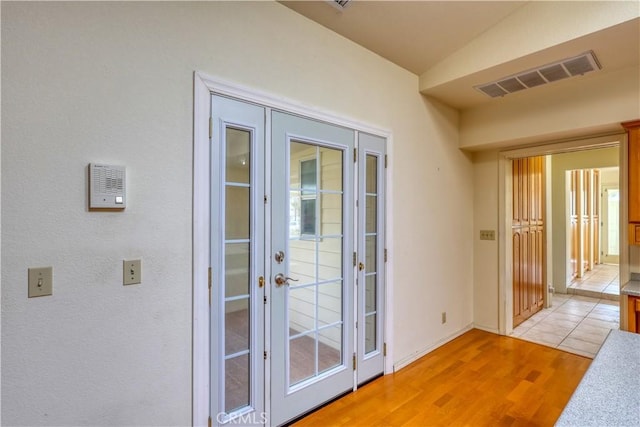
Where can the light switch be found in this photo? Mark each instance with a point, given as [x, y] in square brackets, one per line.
[132, 272]
[40, 281]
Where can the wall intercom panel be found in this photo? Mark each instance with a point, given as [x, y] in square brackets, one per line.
[107, 186]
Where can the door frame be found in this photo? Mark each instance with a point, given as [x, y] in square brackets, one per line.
[505, 290]
[203, 86]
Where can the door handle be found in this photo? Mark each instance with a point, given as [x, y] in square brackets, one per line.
[281, 280]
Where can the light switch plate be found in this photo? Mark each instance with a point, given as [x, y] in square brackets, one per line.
[40, 281]
[132, 272]
[487, 235]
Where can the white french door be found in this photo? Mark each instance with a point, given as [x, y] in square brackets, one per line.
[312, 273]
[296, 220]
[237, 261]
[371, 257]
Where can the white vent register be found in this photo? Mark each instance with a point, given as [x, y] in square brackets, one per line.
[549, 73]
[106, 186]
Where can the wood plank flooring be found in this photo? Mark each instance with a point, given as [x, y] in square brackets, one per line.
[478, 379]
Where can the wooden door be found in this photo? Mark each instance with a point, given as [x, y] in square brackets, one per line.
[528, 237]
[584, 217]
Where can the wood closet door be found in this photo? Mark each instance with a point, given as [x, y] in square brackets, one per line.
[528, 237]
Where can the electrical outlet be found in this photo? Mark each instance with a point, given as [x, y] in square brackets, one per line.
[444, 317]
[40, 282]
[132, 272]
[487, 235]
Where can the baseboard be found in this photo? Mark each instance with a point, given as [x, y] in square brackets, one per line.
[418, 354]
[487, 329]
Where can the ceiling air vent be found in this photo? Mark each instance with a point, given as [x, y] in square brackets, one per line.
[548, 73]
[339, 4]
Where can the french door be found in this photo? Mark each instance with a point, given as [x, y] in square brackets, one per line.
[297, 220]
[371, 256]
[236, 287]
[312, 274]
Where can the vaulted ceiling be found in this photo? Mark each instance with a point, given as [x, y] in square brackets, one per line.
[454, 46]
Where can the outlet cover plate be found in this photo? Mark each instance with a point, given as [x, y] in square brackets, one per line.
[487, 235]
[40, 281]
[132, 272]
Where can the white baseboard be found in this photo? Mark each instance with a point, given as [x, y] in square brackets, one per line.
[487, 329]
[418, 354]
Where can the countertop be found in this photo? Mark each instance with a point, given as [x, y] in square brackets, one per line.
[631, 288]
[609, 393]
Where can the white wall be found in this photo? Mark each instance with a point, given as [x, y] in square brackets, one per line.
[485, 260]
[113, 83]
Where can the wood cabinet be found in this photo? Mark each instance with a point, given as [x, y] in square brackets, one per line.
[634, 234]
[633, 132]
[633, 304]
[527, 226]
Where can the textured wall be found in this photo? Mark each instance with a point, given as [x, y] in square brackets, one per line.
[113, 83]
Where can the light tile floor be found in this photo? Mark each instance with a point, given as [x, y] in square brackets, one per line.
[576, 324]
[601, 282]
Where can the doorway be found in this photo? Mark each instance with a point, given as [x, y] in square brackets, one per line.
[610, 202]
[558, 275]
[297, 272]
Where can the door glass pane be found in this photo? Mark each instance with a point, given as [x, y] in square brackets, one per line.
[236, 326]
[329, 348]
[237, 269]
[331, 169]
[329, 258]
[371, 248]
[329, 303]
[236, 382]
[370, 333]
[236, 261]
[370, 256]
[315, 260]
[331, 214]
[302, 310]
[238, 155]
[237, 210]
[371, 213]
[371, 174]
[370, 294]
[302, 358]
[302, 261]
[613, 220]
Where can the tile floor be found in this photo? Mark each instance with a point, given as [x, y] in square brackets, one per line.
[575, 323]
[601, 282]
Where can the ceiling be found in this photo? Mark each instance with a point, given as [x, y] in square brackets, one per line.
[418, 35]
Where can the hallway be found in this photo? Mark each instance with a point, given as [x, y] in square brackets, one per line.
[601, 282]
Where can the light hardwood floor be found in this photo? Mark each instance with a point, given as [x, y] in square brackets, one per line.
[478, 379]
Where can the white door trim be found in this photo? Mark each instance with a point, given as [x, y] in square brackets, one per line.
[203, 86]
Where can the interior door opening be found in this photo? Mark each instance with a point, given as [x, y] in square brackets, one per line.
[598, 153]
